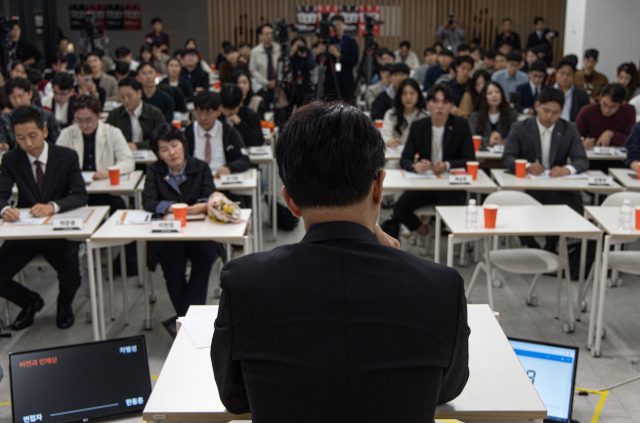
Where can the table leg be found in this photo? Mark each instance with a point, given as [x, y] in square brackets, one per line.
[259, 201]
[436, 257]
[148, 324]
[581, 271]
[489, 271]
[125, 294]
[247, 243]
[92, 292]
[594, 293]
[103, 330]
[254, 219]
[567, 280]
[274, 200]
[602, 288]
[110, 276]
[450, 245]
[137, 201]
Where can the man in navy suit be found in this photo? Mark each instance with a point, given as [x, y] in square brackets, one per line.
[530, 91]
[328, 328]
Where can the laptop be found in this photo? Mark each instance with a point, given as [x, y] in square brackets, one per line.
[552, 369]
[80, 382]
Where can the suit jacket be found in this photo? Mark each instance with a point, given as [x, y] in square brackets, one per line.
[534, 41]
[110, 86]
[579, 99]
[457, 146]
[7, 135]
[63, 183]
[523, 142]
[199, 78]
[527, 100]
[381, 104]
[111, 147]
[249, 127]
[503, 126]
[49, 104]
[329, 330]
[150, 119]
[235, 151]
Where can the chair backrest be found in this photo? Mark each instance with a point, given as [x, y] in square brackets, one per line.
[511, 198]
[615, 200]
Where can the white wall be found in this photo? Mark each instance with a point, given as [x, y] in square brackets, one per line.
[574, 27]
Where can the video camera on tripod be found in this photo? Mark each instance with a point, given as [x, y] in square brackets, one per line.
[367, 68]
[93, 34]
[281, 31]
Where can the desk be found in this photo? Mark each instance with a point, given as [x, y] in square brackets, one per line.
[46, 232]
[112, 233]
[271, 137]
[623, 176]
[498, 388]
[558, 220]
[619, 153]
[607, 219]
[270, 161]
[395, 181]
[480, 155]
[144, 157]
[128, 185]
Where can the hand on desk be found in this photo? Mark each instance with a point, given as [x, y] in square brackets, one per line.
[495, 139]
[394, 142]
[422, 166]
[101, 174]
[197, 208]
[11, 215]
[132, 146]
[42, 210]
[439, 167]
[385, 239]
[535, 169]
[559, 171]
[222, 171]
[588, 143]
[605, 138]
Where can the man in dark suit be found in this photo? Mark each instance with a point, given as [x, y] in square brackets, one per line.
[542, 37]
[299, 334]
[530, 91]
[242, 118]
[574, 98]
[49, 181]
[443, 142]
[547, 142]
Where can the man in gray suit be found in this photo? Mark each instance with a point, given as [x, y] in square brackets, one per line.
[546, 142]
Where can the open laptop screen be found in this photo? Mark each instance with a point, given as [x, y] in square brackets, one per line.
[552, 370]
[80, 382]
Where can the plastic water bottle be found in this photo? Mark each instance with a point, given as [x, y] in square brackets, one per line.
[471, 215]
[624, 221]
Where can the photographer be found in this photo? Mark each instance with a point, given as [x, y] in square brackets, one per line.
[21, 49]
[342, 57]
[542, 37]
[450, 34]
[302, 62]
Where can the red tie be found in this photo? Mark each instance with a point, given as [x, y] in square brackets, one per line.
[207, 149]
[39, 175]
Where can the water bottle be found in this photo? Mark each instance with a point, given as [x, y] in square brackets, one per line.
[471, 215]
[624, 221]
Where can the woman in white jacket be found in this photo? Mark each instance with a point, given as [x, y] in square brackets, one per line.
[409, 105]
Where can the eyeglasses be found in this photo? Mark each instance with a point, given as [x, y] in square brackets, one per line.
[86, 122]
[611, 108]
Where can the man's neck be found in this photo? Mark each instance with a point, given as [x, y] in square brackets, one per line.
[207, 129]
[439, 122]
[97, 74]
[355, 214]
[61, 104]
[463, 82]
[157, 33]
[339, 36]
[588, 72]
[191, 68]
[149, 91]
[133, 110]
[444, 68]
[564, 90]
[511, 74]
[268, 46]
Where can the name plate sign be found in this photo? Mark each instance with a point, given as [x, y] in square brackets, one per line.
[165, 225]
[67, 223]
[460, 180]
[600, 180]
[234, 178]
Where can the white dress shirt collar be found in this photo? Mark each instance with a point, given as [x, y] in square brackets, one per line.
[137, 111]
[42, 158]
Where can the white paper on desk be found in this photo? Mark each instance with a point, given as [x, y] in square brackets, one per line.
[399, 149]
[26, 219]
[137, 217]
[199, 328]
[427, 175]
[576, 176]
[88, 177]
[545, 175]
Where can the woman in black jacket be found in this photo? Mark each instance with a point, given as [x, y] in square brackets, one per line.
[493, 116]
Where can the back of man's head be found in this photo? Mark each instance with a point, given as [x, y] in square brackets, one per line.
[63, 80]
[207, 100]
[122, 51]
[551, 94]
[617, 92]
[329, 155]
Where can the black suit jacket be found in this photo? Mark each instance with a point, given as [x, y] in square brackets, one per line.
[527, 100]
[457, 146]
[249, 127]
[579, 99]
[328, 330]
[63, 183]
[235, 151]
[199, 78]
[523, 142]
[8, 136]
[380, 105]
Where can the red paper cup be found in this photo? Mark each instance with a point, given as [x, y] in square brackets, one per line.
[180, 213]
[216, 85]
[472, 169]
[379, 123]
[177, 124]
[114, 175]
[490, 215]
[521, 168]
[213, 68]
[477, 142]
[198, 89]
[637, 217]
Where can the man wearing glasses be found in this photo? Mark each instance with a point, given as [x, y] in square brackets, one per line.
[59, 103]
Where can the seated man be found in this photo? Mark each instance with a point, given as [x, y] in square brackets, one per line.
[312, 311]
[374, 90]
[588, 78]
[151, 94]
[547, 143]
[383, 57]
[530, 91]
[406, 56]
[430, 59]
[85, 84]
[63, 95]
[107, 82]
[193, 72]
[511, 77]
[58, 65]
[124, 54]
[442, 142]
[463, 66]
[135, 118]
[445, 58]
[218, 144]
[632, 144]
[384, 101]
[574, 98]
[20, 94]
[122, 71]
[49, 181]
[242, 118]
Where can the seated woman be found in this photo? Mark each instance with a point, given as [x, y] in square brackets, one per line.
[493, 117]
[409, 105]
[177, 177]
[477, 83]
[629, 78]
[174, 79]
[242, 79]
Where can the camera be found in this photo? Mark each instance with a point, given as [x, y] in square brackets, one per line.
[324, 31]
[370, 22]
[6, 24]
[452, 18]
[281, 31]
[302, 49]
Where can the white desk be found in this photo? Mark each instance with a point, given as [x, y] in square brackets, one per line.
[250, 185]
[558, 220]
[396, 181]
[498, 388]
[509, 181]
[627, 178]
[271, 137]
[113, 233]
[480, 155]
[127, 186]
[619, 153]
[98, 214]
[144, 157]
[269, 160]
[607, 219]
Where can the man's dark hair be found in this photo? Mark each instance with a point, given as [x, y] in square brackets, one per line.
[429, 50]
[26, 114]
[156, 44]
[231, 96]
[338, 18]
[34, 76]
[400, 68]
[464, 47]
[514, 56]
[538, 19]
[130, 82]
[463, 59]
[491, 54]
[229, 49]
[121, 67]
[61, 58]
[566, 62]
[617, 92]
[179, 52]
[499, 54]
[438, 43]
[506, 19]
[592, 52]
[62, 38]
[192, 51]
[82, 68]
[17, 83]
[261, 27]
[551, 94]
[86, 101]
[329, 155]
[143, 64]
[382, 51]
[122, 51]
[167, 132]
[63, 80]
[17, 63]
[446, 52]
[98, 53]
[406, 44]
[573, 58]
[154, 20]
[207, 100]
[539, 66]
[244, 44]
[445, 89]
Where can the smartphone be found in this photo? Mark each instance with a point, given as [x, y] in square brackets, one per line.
[88, 79]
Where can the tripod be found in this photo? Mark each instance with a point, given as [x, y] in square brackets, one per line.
[367, 67]
[323, 58]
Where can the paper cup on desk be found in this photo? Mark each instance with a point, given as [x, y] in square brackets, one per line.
[216, 85]
[472, 169]
[490, 215]
[180, 213]
[177, 123]
[213, 68]
[379, 123]
[114, 175]
[637, 208]
[477, 142]
[521, 168]
[198, 89]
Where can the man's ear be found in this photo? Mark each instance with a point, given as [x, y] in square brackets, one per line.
[290, 204]
[376, 189]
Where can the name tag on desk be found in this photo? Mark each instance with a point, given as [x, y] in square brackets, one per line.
[498, 149]
[460, 180]
[259, 151]
[605, 151]
[140, 154]
[600, 180]
[165, 225]
[67, 224]
[234, 178]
